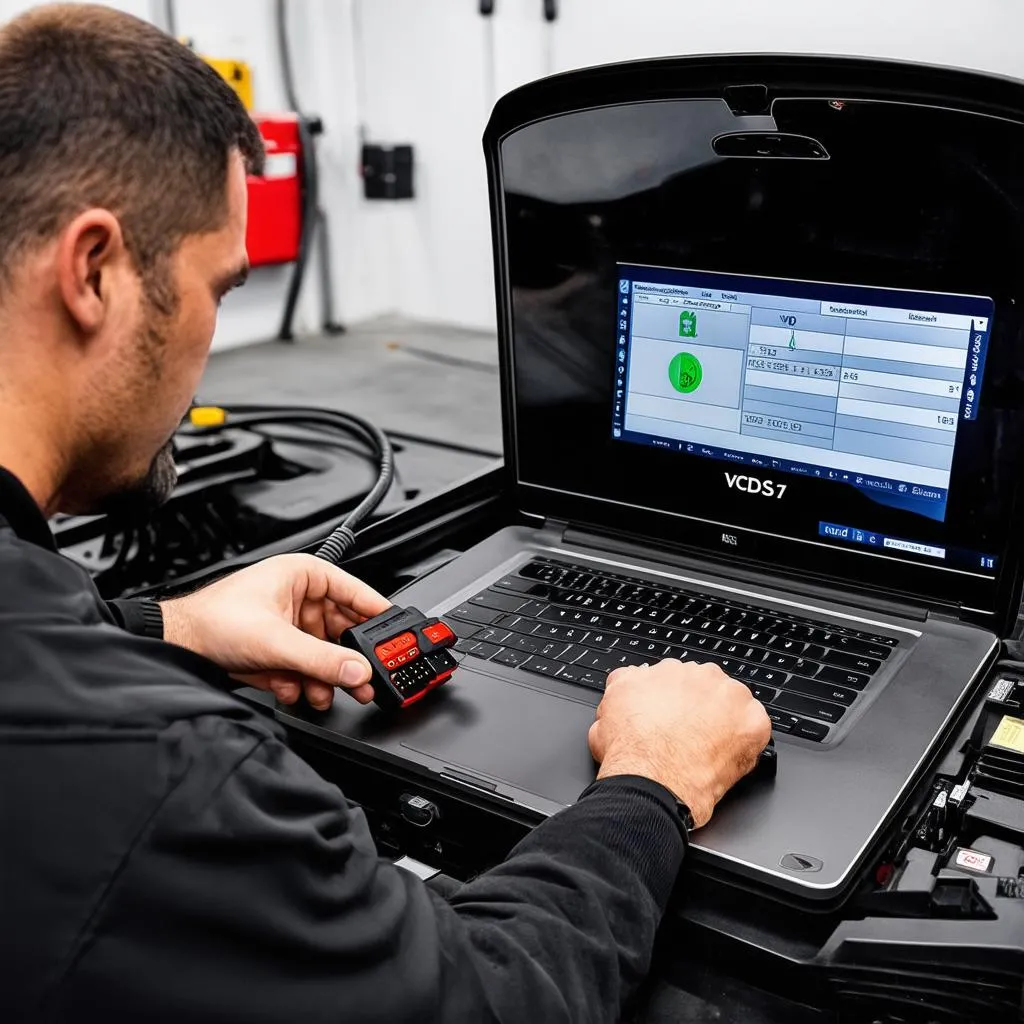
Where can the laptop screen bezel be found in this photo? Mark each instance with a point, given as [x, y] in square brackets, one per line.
[991, 602]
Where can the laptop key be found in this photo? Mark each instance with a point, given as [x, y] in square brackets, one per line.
[857, 662]
[641, 645]
[590, 678]
[545, 648]
[822, 710]
[463, 630]
[765, 694]
[571, 634]
[531, 644]
[546, 572]
[571, 653]
[485, 651]
[852, 645]
[492, 636]
[597, 659]
[842, 676]
[474, 613]
[499, 601]
[783, 661]
[682, 620]
[648, 613]
[748, 671]
[757, 637]
[521, 585]
[541, 666]
[704, 642]
[823, 691]
[510, 657]
[781, 720]
[629, 658]
[786, 645]
[880, 641]
[516, 622]
[737, 650]
[679, 654]
[810, 730]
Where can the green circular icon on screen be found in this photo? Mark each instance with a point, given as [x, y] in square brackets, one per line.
[685, 373]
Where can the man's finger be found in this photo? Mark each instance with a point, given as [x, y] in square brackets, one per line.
[293, 650]
[337, 621]
[345, 590]
[320, 695]
[285, 691]
[311, 619]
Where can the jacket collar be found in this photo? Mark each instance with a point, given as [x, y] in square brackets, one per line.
[22, 513]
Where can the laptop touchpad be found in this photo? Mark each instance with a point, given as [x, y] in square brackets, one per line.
[505, 732]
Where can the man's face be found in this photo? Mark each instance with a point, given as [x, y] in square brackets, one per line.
[167, 332]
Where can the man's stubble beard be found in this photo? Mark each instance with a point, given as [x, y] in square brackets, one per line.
[139, 498]
[142, 497]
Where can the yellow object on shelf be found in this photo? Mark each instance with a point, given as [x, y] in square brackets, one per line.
[206, 416]
[237, 74]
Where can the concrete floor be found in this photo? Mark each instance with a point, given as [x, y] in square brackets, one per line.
[433, 381]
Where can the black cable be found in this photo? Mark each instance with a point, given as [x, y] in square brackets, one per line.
[314, 219]
[433, 442]
[307, 231]
[310, 181]
[285, 54]
[337, 545]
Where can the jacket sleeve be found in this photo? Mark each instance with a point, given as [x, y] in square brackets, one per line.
[256, 894]
[139, 616]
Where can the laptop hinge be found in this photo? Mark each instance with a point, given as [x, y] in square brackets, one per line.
[944, 615]
[554, 529]
[609, 543]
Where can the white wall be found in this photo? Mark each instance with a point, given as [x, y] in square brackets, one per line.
[427, 71]
[983, 34]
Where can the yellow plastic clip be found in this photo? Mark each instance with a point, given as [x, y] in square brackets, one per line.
[207, 416]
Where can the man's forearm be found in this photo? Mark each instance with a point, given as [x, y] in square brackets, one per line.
[569, 919]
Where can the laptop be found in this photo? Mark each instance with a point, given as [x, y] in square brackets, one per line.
[760, 354]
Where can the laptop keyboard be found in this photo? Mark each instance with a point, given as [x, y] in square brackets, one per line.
[565, 621]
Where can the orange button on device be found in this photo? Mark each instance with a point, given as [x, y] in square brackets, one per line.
[397, 645]
[438, 633]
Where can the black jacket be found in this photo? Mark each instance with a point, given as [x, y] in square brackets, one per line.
[165, 857]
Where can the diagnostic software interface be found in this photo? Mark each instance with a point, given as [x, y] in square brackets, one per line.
[857, 385]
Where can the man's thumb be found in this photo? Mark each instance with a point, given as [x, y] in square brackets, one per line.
[328, 662]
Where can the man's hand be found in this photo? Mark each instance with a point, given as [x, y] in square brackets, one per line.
[689, 727]
[269, 625]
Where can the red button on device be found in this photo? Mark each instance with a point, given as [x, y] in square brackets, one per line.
[438, 633]
[400, 643]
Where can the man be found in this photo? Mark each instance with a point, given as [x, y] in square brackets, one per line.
[164, 856]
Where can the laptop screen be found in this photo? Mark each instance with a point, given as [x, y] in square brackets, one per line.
[806, 361]
[860, 386]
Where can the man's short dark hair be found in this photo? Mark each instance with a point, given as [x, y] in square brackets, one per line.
[98, 108]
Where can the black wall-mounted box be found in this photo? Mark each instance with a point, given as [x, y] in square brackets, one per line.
[387, 172]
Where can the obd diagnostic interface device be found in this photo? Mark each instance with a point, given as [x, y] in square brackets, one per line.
[407, 653]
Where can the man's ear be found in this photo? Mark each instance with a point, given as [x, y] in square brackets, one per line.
[90, 249]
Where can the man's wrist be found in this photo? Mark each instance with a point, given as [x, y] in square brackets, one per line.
[177, 626]
[685, 798]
